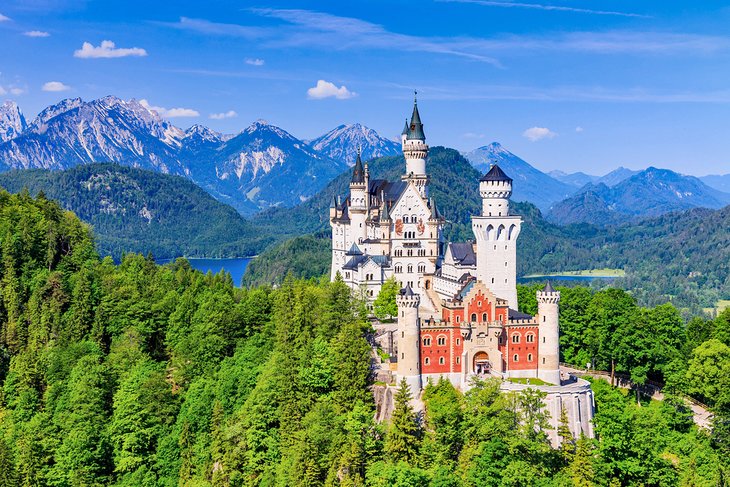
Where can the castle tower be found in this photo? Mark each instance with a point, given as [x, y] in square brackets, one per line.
[548, 348]
[415, 151]
[496, 233]
[358, 201]
[409, 339]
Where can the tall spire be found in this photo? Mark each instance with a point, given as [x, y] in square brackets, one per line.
[416, 128]
[406, 129]
[358, 175]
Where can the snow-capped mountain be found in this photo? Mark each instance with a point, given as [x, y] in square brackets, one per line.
[12, 121]
[648, 193]
[260, 167]
[267, 166]
[109, 129]
[530, 184]
[342, 143]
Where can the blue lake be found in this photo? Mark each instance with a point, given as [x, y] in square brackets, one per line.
[235, 267]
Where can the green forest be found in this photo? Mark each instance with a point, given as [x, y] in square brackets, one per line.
[137, 374]
[136, 210]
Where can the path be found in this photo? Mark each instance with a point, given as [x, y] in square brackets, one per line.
[700, 413]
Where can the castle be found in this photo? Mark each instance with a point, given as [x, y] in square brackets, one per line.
[457, 309]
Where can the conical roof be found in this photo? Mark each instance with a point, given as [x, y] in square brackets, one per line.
[358, 175]
[496, 174]
[548, 288]
[333, 204]
[415, 130]
[384, 213]
[405, 129]
[407, 291]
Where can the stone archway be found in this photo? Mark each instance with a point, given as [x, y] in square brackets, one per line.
[482, 365]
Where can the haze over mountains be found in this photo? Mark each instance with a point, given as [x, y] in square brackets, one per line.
[264, 166]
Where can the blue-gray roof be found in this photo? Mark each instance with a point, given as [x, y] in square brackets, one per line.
[496, 174]
[463, 253]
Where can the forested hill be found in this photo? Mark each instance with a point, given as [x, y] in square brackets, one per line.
[136, 210]
[682, 257]
[144, 375]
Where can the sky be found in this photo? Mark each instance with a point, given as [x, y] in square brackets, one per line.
[577, 85]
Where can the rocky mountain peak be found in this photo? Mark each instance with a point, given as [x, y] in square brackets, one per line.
[12, 121]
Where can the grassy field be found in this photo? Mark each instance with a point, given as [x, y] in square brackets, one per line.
[722, 305]
[585, 272]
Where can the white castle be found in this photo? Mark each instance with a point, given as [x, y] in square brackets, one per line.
[458, 314]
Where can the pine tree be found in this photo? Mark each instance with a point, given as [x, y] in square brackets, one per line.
[567, 441]
[581, 468]
[403, 437]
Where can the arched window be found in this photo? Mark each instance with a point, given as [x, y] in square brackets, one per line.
[530, 338]
[515, 358]
[427, 341]
[441, 340]
[441, 361]
[529, 357]
[426, 361]
[410, 268]
[458, 341]
[458, 319]
[405, 219]
[473, 316]
[398, 269]
[421, 268]
[484, 317]
[515, 338]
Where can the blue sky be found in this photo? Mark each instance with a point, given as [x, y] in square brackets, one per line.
[576, 85]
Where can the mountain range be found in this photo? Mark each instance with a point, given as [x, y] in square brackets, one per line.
[264, 166]
[648, 193]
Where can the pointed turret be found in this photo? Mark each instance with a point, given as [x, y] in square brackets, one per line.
[548, 288]
[358, 174]
[384, 212]
[406, 129]
[415, 131]
[495, 173]
[333, 203]
[434, 210]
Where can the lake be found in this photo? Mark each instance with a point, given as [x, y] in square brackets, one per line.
[235, 267]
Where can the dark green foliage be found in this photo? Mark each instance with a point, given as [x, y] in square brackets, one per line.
[135, 210]
[144, 375]
[306, 256]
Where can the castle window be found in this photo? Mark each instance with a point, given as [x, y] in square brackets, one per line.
[458, 360]
[484, 317]
[516, 338]
[458, 341]
[441, 340]
[529, 357]
[543, 360]
[543, 318]
[530, 338]
[398, 269]
[426, 361]
[347, 275]
[427, 342]
[405, 219]
[492, 280]
[543, 339]
[515, 358]
[421, 268]
[473, 316]
[458, 319]
[441, 361]
[410, 268]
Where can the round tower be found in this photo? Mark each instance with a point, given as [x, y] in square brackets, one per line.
[548, 348]
[409, 338]
[496, 233]
[415, 151]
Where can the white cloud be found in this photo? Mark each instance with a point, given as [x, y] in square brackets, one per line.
[222, 115]
[255, 61]
[540, 6]
[3, 18]
[579, 129]
[55, 86]
[325, 89]
[170, 112]
[472, 135]
[36, 33]
[107, 49]
[14, 90]
[538, 133]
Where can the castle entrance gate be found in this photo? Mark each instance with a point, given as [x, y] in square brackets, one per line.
[482, 365]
